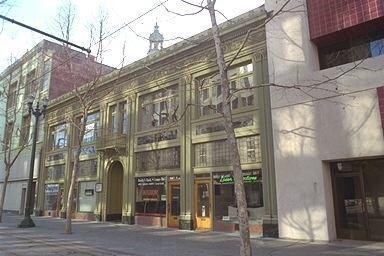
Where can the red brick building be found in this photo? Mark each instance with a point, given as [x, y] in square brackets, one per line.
[48, 70]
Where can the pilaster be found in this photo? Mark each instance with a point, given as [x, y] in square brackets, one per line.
[270, 220]
[186, 179]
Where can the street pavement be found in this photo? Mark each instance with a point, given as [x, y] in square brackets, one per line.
[91, 238]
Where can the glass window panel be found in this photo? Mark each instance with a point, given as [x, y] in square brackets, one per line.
[210, 90]
[56, 172]
[159, 108]
[216, 153]
[352, 49]
[87, 196]
[150, 196]
[59, 137]
[225, 198]
[51, 201]
[168, 158]
[88, 168]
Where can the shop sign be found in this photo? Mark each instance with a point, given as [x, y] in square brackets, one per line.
[150, 194]
[174, 178]
[89, 192]
[249, 176]
[151, 181]
[98, 187]
[51, 188]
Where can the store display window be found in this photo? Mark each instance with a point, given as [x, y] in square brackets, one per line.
[225, 199]
[151, 196]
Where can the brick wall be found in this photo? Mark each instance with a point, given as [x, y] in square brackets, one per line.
[70, 69]
[329, 16]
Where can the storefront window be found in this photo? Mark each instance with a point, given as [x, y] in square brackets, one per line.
[150, 196]
[51, 201]
[225, 198]
[87, 196]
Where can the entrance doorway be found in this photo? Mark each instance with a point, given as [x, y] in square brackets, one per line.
[115, 192]
[359, 199]
[203, 213]
[22, 201]
[173, 204]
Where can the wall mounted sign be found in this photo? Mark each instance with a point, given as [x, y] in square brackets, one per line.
[151, 181]
[89, 192]
[51, 188]
[227, 178]
[98, 187]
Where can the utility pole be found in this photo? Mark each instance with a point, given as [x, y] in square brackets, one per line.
[45, 33]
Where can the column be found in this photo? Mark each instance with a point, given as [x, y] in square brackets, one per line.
[186, 179]
[270, 220]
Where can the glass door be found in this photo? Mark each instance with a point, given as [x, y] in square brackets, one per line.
[374, 197]
[350, 207]
[173, 204]
[203, 204]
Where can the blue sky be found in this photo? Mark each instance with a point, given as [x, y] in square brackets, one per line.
[14, 40]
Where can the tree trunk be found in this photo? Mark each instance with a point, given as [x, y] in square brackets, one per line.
[76, 160]
[4, 190]
[245, 246]
[71, 195]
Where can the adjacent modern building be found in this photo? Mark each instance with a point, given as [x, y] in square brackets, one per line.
[326, 69]
[155, 149]
[48, 70]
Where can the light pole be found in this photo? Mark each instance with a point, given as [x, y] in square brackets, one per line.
[27, 222]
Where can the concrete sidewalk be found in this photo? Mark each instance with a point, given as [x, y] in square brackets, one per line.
[98, 238]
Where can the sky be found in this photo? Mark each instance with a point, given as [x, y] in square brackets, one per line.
[42, 14]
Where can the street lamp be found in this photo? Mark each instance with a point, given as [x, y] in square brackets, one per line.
[27, 222]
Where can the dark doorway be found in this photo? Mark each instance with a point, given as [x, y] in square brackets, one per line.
[22, 201]
[115, 192]
[358, 188]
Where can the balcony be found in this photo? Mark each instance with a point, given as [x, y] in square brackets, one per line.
[114, 141]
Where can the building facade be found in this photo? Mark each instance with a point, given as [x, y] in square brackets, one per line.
[43, 73]
[326, 72]
[155, 149]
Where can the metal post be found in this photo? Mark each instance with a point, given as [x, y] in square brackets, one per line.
[27, 222]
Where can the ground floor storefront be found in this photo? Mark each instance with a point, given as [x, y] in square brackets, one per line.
[358, 193]
[158, 201]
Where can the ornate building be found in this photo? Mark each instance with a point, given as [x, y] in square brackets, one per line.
[155, 150]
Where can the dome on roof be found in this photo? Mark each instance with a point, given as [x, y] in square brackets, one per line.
[155, 40]
[155, 35]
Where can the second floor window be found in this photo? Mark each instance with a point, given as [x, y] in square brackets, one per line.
[30, 83]
[24, 130]
[118, 118]
[12, 95]
[351, 49]
[210, 94]
[159, 108]
[46, 74]
[92, 127]
[59, 136]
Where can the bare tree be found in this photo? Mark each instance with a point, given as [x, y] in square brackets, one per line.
[86, 96]
[245, 247]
